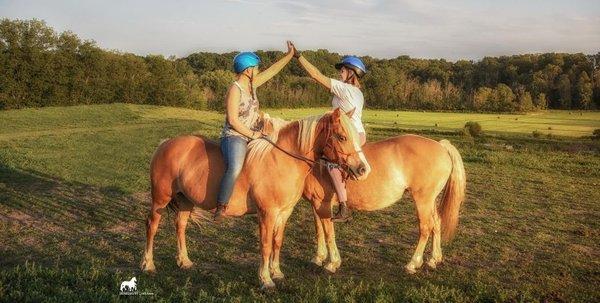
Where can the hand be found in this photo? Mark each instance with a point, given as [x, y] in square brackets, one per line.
[296, 53]
[256, 135]
[290, 47]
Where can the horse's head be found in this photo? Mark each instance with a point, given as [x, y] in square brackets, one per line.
[342, 145]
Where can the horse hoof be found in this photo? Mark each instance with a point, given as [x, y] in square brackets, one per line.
[432, 263]
[410, 269]
[268, 286]
[185, 265]
[148, 268]
[317, 261]
[332, 267]
[278, 276]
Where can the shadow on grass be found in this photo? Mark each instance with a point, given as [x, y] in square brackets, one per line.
[54, 222]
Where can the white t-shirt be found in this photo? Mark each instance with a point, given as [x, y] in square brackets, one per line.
[346, 97]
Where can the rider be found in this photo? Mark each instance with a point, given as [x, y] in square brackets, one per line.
[242, 118]
[349, 98]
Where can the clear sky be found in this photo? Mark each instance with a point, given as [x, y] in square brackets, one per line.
[462, 29]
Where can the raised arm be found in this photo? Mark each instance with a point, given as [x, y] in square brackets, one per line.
[270, 72]
[232, 103]
[312, 70]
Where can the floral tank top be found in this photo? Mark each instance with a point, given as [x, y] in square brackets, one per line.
[248, 114]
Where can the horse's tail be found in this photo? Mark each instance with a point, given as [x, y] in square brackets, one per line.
[454, 193]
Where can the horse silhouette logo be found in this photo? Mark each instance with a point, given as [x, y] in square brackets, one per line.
[129, 286]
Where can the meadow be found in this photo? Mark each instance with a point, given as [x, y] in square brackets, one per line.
[74, 193]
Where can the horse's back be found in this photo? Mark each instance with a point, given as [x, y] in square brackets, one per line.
[191, 165]
[424, 161]
[397, 163]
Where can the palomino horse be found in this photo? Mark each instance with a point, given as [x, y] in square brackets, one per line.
[421, 165]
[189, 168]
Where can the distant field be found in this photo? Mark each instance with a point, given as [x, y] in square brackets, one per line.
[74, 192]
[562, 123]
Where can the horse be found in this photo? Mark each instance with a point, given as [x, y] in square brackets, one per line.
[423, 166]
[129, 285]
[186, 171]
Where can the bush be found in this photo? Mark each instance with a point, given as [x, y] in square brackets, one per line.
[473, 128]
[536, 134]
[596, 133]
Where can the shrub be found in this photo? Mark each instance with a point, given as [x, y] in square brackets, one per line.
[473, 128]
[536, 134]
[596, 133]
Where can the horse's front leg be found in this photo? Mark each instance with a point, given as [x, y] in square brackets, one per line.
[334, 255]
[321, 255]
[279, 230]
[267, 224]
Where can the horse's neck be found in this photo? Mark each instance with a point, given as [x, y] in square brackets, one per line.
[288, 138]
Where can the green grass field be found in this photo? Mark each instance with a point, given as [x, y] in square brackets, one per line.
[74, 193]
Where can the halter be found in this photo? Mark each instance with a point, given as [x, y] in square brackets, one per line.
[341, 161]
[322, 161]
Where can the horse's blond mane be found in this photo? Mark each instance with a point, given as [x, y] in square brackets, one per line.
[307, 126]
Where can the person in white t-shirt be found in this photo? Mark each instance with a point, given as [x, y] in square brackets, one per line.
[348, 97]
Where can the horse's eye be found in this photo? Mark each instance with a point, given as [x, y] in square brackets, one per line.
[342, 138]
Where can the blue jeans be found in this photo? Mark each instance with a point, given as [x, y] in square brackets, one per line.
[234, 152]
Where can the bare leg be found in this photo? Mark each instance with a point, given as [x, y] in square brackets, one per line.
[267, 224]
[334, 255]
[181, 219]
[425, 211]
[321, 248]
[277, 243]
[338, 184]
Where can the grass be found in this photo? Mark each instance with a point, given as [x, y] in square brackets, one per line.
[74, 192]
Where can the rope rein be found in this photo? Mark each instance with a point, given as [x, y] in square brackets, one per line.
[322, 161]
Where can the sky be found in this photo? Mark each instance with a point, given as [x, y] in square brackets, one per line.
[451, 29]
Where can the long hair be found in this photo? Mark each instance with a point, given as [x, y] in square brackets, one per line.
[353, 78]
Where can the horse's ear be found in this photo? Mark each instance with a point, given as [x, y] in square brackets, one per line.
[336, 114]
[351, 112]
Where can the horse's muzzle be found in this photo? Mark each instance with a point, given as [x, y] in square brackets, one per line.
[359, 172]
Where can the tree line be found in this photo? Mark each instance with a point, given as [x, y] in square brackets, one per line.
[40, 67]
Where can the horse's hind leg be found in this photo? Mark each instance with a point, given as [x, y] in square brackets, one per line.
[425, 205]
[184, 209]
[436, 252]
[321, 248]
[158, 203]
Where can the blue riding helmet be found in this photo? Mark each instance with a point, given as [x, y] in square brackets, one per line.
[354, 63]
[244, 60]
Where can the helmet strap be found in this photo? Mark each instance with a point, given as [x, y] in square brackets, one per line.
[351, 77]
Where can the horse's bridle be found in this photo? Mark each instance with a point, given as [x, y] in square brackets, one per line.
[323, 161]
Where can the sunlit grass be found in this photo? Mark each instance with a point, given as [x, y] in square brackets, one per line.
[74, 192]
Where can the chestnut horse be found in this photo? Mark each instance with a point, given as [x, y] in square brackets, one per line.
[186, 171]
[423, 166]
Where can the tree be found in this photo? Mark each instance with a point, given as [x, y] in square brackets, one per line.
[584, 91]
[541, 102]
[563, 88]
[504, 99]
[525, 103]
[483, 96]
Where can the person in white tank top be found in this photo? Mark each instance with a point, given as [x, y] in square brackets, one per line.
[348, 97]
[241, 122]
